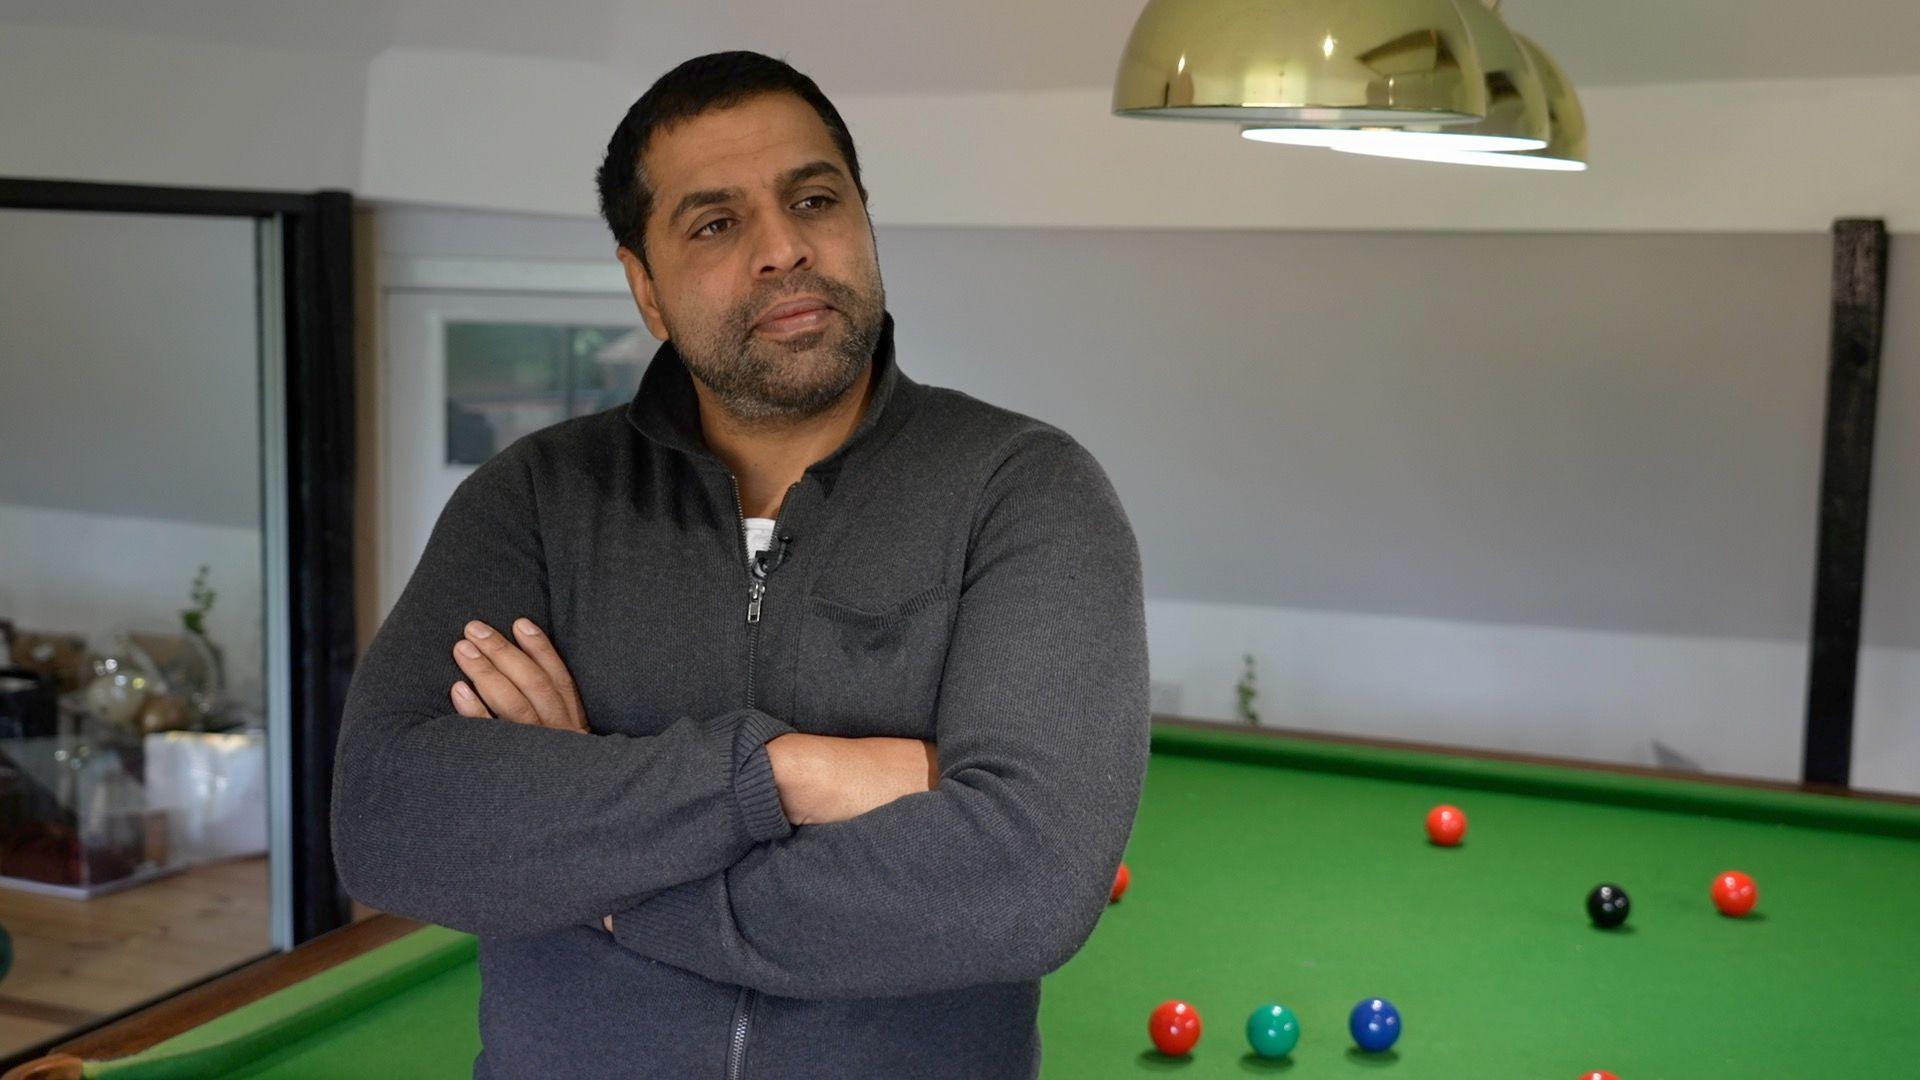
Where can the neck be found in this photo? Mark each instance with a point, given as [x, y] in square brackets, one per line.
[768, 458]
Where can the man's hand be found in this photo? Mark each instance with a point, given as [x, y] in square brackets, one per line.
[824, 779]
[526, 682]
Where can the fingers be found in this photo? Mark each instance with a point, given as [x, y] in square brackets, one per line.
[540, 647]
[467, 703]
[496, 690]
[511, 683]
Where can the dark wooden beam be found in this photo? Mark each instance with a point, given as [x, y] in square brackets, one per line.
[1846, 474]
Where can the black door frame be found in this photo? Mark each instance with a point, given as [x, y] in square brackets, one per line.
[316, 244]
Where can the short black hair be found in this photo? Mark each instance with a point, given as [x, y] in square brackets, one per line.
[714, 81]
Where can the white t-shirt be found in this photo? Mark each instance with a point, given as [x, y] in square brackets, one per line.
[759, 537]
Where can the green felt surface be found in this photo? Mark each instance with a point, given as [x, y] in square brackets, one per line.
[1281, 871]
[1277, 870]
[407, 1009]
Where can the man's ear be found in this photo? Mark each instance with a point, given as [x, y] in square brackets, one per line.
[640, 283]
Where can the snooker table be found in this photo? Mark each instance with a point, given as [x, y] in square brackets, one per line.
[1284, 867]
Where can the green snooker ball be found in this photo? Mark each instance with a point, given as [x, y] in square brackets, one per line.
[1273, 1031]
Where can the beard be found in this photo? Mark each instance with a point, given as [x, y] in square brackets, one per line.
[763, 380]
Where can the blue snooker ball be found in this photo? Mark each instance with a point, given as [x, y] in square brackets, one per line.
[1375, 1024]
[1273, 1031]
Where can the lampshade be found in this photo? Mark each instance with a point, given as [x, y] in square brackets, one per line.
[1566, 149]
[1303, 62]
[1517, 108]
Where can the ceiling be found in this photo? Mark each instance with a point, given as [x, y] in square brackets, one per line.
[920, 46]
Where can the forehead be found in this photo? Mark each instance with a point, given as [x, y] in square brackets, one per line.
[743, 145]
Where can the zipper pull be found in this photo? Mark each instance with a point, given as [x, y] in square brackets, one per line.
[754, 592]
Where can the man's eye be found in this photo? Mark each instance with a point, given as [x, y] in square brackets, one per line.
[825, 200]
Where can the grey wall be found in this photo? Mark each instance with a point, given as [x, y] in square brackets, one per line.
[1893, 529]
[1611, 432]
[1604, 432]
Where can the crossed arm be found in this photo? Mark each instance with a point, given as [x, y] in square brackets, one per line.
[821, 779]
[872, 877]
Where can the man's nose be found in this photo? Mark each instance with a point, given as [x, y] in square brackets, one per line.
[783, 246]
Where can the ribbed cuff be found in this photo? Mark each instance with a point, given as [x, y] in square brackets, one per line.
[754, 791]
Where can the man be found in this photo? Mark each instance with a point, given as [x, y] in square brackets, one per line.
[787, 722]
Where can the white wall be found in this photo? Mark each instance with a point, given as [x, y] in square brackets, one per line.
[98, 574]
[136, 108]
[520, 133]
[1730, 705]
[1781, 155]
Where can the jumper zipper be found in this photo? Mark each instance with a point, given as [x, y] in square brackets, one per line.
[756, 583]
[756, 591]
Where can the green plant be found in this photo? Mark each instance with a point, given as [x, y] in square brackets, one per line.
[1247, 693]
[194, 618]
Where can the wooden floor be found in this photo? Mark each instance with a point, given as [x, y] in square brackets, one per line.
[74, 960]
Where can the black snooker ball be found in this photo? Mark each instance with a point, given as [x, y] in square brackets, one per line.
[1607, 906]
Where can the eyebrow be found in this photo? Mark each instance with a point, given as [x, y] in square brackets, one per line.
[693, 200]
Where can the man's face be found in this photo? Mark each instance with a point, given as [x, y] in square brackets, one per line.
[753, 207]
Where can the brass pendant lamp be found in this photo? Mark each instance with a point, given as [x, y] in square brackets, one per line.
[1566, 149]
[1303, 63]
[1517, 107]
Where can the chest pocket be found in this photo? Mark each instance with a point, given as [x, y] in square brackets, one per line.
[873, 672]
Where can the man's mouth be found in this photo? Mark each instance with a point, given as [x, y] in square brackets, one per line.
[794, 316]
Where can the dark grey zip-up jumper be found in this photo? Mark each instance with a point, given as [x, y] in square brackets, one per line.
[955, 571]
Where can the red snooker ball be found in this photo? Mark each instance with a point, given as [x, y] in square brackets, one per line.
[1599, 1074]
[1121, 878]
[1446, 825]
[1175, 1027]
[1734, 893]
